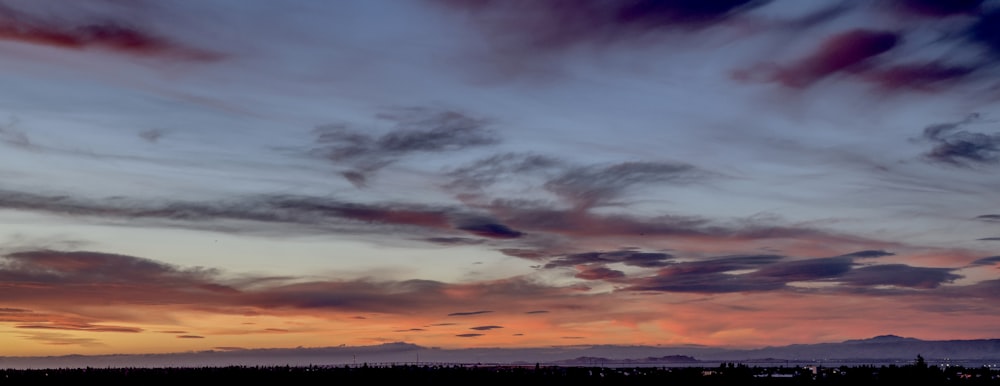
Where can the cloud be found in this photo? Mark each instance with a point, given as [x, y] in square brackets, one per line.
[83, 267]
[80, 327]
[938, 8]
[11, 135]
[486, 172]
[491, 230]
[529, 254]
[453, 240]
[357, 295]
[954, 146]
[989, 217]
[228, 348]
[65, 283]
[599, 273]
[843, 52]
[885, 57]
[536, 27]
[579, 186]
[900, 275]
[536, 218]
[989, 239]
[151, 135]
[531, 37]
[485, 328]
[869, 254]
[986, 31]
[805, 270]
[413, 131]
[61, 339]
[536, 312]
[110, 35]
[926, 76]
[469, 313]
[630, 258]
[310, 213]
[756, 273]
[551, 228]
[469, 335]
[75, 288]
[592, 186]
[711, 276]
[190, 337]
[505, 220]
[987, 261]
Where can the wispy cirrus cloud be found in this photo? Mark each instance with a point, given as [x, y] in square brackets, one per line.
[839, 53]
[61, 339]
[79, 327]
[528, 25]
[581, 187]
[492, 220]
[953, 145]
[412, 131]
[958, 37]
[309, 212]
[933, 8]
[115, 35]
[592, 186]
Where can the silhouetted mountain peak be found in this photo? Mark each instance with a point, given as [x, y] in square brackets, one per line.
[884, 339]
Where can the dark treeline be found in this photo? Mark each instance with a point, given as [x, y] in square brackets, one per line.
[727, 374]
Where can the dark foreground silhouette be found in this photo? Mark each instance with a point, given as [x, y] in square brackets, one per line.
[726, 374]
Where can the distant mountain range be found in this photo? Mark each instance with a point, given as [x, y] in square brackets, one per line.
[880, 349]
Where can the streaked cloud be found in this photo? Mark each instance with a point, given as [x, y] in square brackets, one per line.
[119, 36]
[955, 146]
[413, 131]
[485, 328]
[468, 313]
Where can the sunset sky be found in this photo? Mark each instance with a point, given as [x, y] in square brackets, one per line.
[210, 175]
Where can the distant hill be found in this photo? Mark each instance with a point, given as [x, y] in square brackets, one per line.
[599, 361]
[879, 349]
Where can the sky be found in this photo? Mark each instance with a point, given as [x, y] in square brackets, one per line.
[222, 174]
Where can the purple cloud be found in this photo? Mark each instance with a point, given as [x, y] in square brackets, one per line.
[112, 35]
